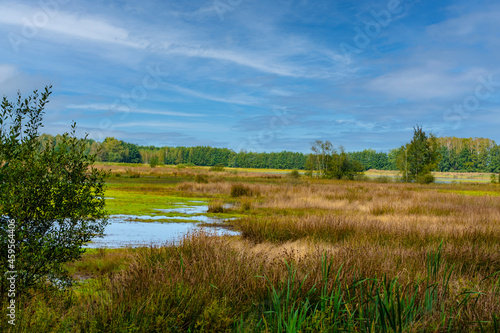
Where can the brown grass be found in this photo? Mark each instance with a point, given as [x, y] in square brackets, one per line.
[369, 229]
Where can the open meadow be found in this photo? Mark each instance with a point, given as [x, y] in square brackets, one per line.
[313, 255]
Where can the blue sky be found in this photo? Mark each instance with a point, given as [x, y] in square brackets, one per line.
[258, 75]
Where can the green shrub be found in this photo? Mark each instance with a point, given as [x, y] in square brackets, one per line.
[51, 201]
[155, 160]
[425, 179]
[295, 174]
[494, 178]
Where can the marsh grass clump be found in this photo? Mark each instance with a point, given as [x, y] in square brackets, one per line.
[294, 174]
[217, 168]
[425, 179]
[132, 173]
[383, 179]
[216, 206]
[239, 190]
[201, 178]
[245, 204]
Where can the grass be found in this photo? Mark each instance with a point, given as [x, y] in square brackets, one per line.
[140, 203]
[474, 193]
[313, 256]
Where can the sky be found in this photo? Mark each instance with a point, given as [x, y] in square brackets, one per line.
[257, 75]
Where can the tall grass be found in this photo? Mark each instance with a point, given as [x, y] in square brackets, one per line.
[207, 284]
[313, 256]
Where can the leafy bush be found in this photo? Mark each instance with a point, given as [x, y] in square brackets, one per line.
[425, 179]
[155, 160]
[294, 173]
[54, 198]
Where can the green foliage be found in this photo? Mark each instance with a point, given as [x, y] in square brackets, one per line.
[363, 305]
[295, 174]
[155, 161]
[458, 154]
[55, 196]
[370, 159]
[288, 312]
[328, 162]
[417, 159]
[494, 178]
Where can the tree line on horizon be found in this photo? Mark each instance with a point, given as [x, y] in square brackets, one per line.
[457, 155]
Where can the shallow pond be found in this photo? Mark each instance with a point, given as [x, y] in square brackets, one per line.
[132, 231]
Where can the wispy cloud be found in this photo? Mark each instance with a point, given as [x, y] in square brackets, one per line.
[114, 108]
[64, 23]
[202, 127]
[219, 80]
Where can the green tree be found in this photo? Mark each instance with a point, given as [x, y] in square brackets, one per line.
[53, 197]
[341, 165]
[418, 158]
[326, 162]
[155, 161]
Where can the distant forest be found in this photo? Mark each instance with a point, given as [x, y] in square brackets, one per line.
[457, 154]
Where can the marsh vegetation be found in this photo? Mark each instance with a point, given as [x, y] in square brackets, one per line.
[314, 255]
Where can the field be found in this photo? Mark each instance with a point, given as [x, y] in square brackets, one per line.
[313, 256]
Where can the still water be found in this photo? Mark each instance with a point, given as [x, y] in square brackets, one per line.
[122, 232]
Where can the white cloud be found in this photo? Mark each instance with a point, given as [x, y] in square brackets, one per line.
[428, 81]
[240, 99]
[110, 107]
[32, 19]
[6, 73]
[469, 27]
[201, 127]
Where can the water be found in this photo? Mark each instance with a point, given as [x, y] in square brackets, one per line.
[122, 232]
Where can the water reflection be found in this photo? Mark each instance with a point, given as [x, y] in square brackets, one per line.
[122, 232]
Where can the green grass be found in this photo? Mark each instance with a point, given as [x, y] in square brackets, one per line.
[473, 193]
[140, 203]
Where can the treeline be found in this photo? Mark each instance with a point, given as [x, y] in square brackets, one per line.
[457, 154]
[469, 155]
[210, 156]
